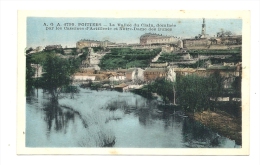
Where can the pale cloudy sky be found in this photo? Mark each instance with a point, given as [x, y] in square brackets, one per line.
[37, 35]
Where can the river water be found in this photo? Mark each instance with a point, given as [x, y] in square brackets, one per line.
[112, 119]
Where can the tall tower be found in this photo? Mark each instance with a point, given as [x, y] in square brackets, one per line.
[203, 30]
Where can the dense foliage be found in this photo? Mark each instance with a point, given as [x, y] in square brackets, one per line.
[235, 51]
[169, 57]
[56, 71]
[194, 92]
[127, 58]
[233, 58]
[175, 57]
[96, 49]
[162, 87]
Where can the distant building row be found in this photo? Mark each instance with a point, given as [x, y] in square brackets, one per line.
[153, 39]
[94, 43]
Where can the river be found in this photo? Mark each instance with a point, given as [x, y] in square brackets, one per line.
[112, 119]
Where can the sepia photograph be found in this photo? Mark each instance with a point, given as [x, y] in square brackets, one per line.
[133, 82]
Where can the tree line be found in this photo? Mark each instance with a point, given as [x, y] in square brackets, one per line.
[193, 93]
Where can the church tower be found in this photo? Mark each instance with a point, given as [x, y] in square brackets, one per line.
[203, 30]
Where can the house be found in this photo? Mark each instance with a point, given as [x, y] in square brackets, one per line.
[83, 77]
[151, 74]
[189, 43]
[134, 74]
[153, 38]
[184, 71]
[117, 77]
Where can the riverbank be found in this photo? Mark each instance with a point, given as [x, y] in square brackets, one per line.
[221, 122]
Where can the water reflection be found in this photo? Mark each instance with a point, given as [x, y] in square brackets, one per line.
[57, 118]
[112, 119]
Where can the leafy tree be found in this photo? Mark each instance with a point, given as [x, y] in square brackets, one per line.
[57, 74]
[164, 88]
[193, 93]
[216, 87]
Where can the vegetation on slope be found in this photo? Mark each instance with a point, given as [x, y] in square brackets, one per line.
[127, 58]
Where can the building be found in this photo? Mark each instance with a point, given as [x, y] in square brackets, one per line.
[53, 47]
[151, 74]
[200, 42]
[169, 49]
[135, 74]
[226, 40]
[203, 30]
[87, 43]
[153, 39]
[94, 43]
[84, 77]
[117, 77]
[184, 71]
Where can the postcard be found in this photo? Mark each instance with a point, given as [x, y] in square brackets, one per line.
[133, 82]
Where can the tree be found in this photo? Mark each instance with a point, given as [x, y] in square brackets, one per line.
[164, 88]
[228, 33]
[216, 87]
[193, 93]
[57, 74]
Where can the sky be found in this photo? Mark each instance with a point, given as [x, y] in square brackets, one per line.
[37, 35]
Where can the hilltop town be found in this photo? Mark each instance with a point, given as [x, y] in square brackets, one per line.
[156, 56]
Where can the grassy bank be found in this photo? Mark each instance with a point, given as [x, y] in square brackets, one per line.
[221, 122]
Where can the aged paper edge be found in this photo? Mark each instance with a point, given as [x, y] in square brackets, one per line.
[21, 43]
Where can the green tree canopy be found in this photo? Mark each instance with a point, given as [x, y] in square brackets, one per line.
[57, 73]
